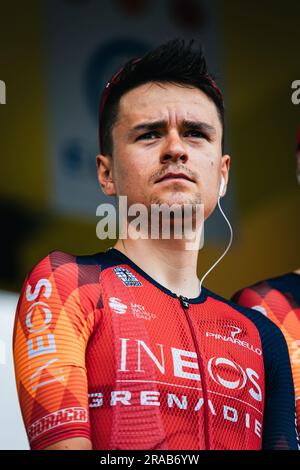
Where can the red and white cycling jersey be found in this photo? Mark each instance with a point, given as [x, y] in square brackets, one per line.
[103, 351]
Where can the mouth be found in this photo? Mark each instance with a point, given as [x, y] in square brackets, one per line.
[172, 176]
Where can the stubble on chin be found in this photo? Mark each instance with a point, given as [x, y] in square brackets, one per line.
[175, 198]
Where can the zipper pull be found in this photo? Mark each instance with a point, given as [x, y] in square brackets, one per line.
[184, 301]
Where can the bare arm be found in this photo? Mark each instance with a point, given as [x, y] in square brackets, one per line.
[75, 443]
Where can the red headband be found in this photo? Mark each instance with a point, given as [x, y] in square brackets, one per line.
[215, 86]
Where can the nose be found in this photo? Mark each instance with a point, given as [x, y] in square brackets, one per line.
[173, 149]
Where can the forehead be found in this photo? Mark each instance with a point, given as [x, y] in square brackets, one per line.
[166, 100]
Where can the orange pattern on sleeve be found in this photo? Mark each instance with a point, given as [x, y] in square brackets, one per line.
[51, 331]
[284, 310]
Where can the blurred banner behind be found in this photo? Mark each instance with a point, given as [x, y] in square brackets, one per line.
[56, 57]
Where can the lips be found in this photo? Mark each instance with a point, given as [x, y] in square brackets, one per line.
[176, 176]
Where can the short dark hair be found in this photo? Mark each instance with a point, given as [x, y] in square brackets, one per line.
[172, 62]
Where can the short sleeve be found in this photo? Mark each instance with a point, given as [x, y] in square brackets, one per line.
[279, 426]
[51, 330]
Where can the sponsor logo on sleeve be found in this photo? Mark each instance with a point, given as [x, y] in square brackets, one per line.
[57, 418]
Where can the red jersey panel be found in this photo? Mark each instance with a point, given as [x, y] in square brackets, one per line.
[103, 351]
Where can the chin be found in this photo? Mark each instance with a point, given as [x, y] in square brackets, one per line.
[179, 199]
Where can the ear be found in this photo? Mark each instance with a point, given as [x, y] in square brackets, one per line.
[105, 174]
[225, 167]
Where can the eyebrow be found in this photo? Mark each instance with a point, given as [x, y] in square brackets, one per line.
[162, 124]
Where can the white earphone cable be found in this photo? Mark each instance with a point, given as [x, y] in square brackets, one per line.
[229, 245]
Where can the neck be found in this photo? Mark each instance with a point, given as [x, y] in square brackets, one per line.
[166, 261]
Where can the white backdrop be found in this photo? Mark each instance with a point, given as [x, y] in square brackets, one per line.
[12, 431]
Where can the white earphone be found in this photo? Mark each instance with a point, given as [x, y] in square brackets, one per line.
[222, 186]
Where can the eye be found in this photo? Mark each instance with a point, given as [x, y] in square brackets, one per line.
[148, 135]
[195, 133]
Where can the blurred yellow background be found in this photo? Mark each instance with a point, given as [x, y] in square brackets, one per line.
[259, 48]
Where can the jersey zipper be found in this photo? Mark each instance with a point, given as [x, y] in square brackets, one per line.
[185, 305]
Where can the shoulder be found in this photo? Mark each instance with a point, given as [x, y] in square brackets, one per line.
[270, 333]
[53, 260]
[66, 273]
[61, 265]
[274, 346]
[266, 286]
[61, 276]
[63, 282]
[274, 297]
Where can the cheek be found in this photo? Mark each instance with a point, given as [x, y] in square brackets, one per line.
[209, 177]
[209, 168]
[127, 175]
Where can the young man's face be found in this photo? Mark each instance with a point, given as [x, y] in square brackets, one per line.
[186, 139]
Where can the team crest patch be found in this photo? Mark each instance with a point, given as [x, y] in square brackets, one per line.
[127, 277]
